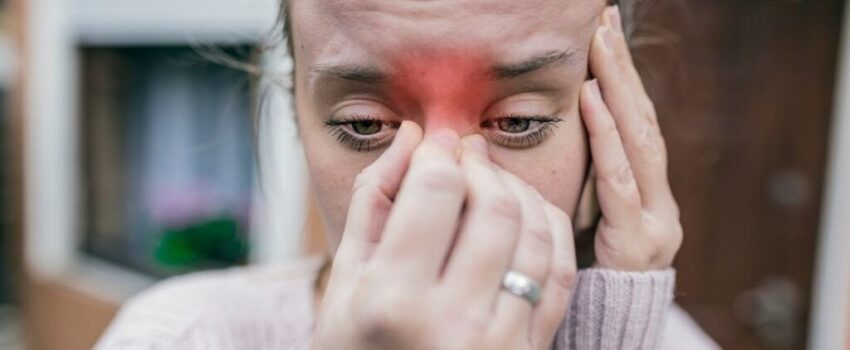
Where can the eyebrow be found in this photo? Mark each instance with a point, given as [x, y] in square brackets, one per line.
[373, 75]
[535, 63]
[358, 73]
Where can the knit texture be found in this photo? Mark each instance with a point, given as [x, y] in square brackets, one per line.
[617, 310]
[236, 309]
[272, 308]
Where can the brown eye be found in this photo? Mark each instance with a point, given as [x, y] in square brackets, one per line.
[366, 127]
[519, 132]
[514, 125]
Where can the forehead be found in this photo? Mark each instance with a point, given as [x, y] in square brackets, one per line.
[333, 30]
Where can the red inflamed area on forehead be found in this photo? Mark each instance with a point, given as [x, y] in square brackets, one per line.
[449, 87]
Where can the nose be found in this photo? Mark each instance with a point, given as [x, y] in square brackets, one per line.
[447, 86]
[461, 124]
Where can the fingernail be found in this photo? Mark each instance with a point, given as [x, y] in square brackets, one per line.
[593, 85]
[607, 38]
[616, 19]
[446, 137]
[476, 143]
[403, 130]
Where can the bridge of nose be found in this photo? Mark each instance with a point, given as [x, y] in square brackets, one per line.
[450, 88]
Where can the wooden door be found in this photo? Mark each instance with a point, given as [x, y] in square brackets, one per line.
[747, 128]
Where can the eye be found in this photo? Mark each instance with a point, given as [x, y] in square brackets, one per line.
[513, 125]
[362, 133]
[520, 132]
[367, 127]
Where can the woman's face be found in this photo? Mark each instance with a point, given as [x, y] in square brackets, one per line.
[508, 70]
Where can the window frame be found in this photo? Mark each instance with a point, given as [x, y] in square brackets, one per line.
[52, 100]
[830, 321]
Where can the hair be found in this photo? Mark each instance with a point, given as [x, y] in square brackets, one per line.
[653, 45]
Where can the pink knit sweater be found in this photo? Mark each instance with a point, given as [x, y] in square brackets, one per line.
[272, 308]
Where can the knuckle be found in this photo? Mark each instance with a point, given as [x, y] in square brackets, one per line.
[646, 260]
[440, 177]
[676, 213]
[623, 171]
[534, 263]
[501, 204]
[656, 230]
[648, 138]
[610, 240]
[624, 60]
[477, 322]
[542, 237]
[376, 324]
[649, 111]
[559, 217]
[663, 233]
[495, 340]
[376, 311]
[621, 251]
[608, 128]
[463, 342]
[472, 323]
[365, 179]
[462, 325]
[621, 177]
[627, 194]
[505, 335]
[370, 196]
[678, 234]
[564, 273]
[651, 145]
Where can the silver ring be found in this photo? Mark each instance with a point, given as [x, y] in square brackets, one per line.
[521, 286]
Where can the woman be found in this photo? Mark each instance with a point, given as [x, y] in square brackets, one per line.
[446, 143]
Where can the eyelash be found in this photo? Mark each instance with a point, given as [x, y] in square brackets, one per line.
[527, 139]
[338, 129]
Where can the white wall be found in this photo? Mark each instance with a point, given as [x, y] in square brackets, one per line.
[831, 298]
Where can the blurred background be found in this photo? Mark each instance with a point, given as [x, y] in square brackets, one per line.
[128, 154]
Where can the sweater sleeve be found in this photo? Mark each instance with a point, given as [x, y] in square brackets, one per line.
[617, 310]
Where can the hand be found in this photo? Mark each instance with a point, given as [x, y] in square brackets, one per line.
[418, 270]
[640, 228]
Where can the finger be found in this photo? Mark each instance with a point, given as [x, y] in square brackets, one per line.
[618, 193]
[649, 143]
[531, 258]
[374, 190]
[486, 241]
[559, 283]
[613, 19]
[634, 116]
[424, 219]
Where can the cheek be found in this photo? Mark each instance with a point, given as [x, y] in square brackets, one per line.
[332, 175]
[332, 171]
[557, 168]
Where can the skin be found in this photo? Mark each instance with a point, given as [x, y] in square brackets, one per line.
[339, 33]
[423, 230]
